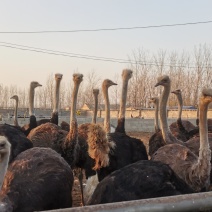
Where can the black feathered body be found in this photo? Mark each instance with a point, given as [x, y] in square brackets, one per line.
[127, 150]
[155, 142]
[140, 180]
[38, 179]
[17, 139]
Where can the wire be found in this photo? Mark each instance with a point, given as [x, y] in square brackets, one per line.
[81, 56]
[109, 29]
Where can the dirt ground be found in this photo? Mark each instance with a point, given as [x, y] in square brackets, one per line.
[76, 194]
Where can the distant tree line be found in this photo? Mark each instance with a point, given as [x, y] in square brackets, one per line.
[189, 72]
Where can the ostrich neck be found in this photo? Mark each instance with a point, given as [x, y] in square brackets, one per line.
[70, 144]
[167, 135]
[180, 105]
[157, 128]
[3, 166]
[107, 111]
[123, 99]
[15, 113]
[121, 119]
[203, 166]
[95, 108]
[56, 96]
[203, 128]
[31, 101]
[73, 116]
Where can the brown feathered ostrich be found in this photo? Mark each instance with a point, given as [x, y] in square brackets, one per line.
[195, 171]
[54, 116]
[181, 128]
[85, 147]
[133, 149]
[156, 140]
[93, 181]
[32, 119]
[38, 179]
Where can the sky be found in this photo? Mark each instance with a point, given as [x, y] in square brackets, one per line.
[18, 67]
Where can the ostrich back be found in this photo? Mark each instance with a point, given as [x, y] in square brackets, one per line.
[127, 150]
[186, 124]
[28, 127]
[47, 135]
[18, 140]
[140, 180]
[155, 142]
[38, 179]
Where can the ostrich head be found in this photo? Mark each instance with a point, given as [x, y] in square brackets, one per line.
[58, 76]
[77, 78]
[96, 91]
[4, 147]
[34, 84]
[14, 97]
[107, 83]
[127, 74]
[206, 95]
[163, 80]
[176, 92]
[154, 100]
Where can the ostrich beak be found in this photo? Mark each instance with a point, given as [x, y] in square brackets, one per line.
[157, 84]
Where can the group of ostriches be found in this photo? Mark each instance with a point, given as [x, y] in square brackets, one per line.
[38, 160]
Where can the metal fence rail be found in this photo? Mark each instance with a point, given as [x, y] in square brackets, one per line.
[181, 203]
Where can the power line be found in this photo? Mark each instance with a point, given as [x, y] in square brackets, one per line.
[82, 56]
[106, 29]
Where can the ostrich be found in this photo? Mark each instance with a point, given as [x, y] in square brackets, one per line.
[87, 138]
[32, 119]
[92, 180]
[181, 128]
[194, 170]
[156, 140]
[54, 117]
[140, 180]
[131, 148]
[31, 178]
[84, 147]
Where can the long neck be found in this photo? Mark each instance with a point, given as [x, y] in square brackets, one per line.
[180, 105]
[203, 128]
[107, 110]
[70, 145]
[95, 108]
[15, 113]
[167, 135]
[56, 96]
[31, 100]
[157, 128]
[203, 167]
[73, 117]
[121, 120]
[3, 166]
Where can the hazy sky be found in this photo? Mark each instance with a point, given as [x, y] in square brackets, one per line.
[19, 67]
